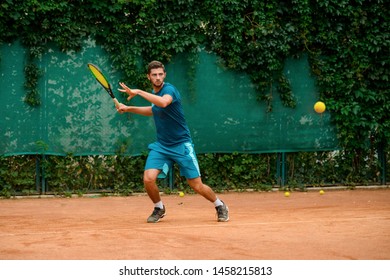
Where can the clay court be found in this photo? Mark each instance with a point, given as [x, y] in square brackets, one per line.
[341, 224]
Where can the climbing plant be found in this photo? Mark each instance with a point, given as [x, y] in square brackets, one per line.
[350, 43]
[347, 42]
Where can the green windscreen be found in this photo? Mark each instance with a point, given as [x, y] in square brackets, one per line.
[77, 116]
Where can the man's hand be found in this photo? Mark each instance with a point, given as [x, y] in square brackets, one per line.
[127, 90]
[122, 108]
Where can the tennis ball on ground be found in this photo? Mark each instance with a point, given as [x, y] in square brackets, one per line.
[322, 192]
[286, 194]
[319, 107]
[181, 194]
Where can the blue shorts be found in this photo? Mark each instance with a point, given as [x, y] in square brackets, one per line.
[183, 155]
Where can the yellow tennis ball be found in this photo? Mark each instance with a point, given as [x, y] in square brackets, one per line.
[287, 194]
[319, 107]
[322, 192]
[181, 194]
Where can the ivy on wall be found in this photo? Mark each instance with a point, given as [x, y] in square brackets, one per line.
[32, 73]
[347, 42]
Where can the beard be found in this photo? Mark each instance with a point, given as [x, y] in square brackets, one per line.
[158, 84]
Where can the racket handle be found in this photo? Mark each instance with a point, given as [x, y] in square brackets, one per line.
[116, 102]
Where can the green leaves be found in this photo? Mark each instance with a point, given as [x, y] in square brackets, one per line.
[32, 74]
[348, 44]
[351, 71]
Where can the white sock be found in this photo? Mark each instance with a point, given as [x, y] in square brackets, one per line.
[159, 205]
[218, 202]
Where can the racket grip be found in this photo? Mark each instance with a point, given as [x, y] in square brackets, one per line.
[116, 102]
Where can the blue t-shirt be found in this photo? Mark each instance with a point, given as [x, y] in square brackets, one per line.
[170, 123]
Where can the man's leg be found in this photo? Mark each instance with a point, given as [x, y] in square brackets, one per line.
[150, 177]
[197, 185]
[222, 210]
[189, 168]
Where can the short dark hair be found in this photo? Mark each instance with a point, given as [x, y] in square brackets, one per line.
[155, 65]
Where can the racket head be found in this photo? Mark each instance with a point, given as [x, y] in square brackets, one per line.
[97, 73]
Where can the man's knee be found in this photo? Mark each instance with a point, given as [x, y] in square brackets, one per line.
[196, 184]
[150, 176]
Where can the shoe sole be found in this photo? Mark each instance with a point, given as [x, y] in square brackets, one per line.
[223, 220]
[153, 222]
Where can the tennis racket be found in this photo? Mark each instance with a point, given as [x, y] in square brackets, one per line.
[103, 81]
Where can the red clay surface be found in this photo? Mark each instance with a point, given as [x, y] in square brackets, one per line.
[347, 224]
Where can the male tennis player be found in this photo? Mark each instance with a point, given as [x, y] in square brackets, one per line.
[174, 143]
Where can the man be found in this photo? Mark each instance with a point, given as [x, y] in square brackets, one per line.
[174, 143]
